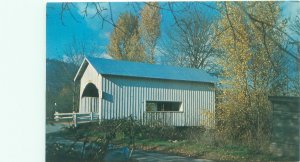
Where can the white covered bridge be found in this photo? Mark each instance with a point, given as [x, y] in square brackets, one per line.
[117, 89]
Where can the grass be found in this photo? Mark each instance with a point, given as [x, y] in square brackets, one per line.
[184, 147]
[198, 150]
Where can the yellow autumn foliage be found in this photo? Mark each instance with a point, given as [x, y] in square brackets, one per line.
[252, 67]
[150, 28]
[125, 40]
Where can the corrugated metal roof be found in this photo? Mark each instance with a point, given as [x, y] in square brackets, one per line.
[143, 70]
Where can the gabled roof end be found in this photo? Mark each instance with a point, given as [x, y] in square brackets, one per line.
[81, 69]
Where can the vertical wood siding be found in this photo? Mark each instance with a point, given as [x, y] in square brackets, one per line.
[124, 96]
[89, 104]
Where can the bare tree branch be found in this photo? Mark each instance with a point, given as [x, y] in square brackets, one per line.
[254, 19]
[66, 8]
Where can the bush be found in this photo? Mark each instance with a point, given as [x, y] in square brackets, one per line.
[120, 132]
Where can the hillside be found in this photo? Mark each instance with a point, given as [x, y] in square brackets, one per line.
[59, 86]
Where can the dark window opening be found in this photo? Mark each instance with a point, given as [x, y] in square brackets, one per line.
[162, 106]
[90, 91]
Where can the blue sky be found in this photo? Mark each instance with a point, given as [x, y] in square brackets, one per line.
[61, 32]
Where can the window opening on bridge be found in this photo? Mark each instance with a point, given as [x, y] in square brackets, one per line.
[162, 106]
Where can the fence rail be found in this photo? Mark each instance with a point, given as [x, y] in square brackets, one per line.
[76, 117]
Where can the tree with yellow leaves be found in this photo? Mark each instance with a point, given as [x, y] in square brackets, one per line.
[125, 40]
[150, 28]
[253, 67]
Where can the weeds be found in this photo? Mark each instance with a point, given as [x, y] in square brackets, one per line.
[97, 138]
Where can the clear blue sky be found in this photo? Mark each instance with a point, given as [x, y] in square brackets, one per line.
[60, 32]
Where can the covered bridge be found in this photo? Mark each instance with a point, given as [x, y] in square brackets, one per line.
[117, 89]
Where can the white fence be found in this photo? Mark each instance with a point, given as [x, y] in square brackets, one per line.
[76, 117]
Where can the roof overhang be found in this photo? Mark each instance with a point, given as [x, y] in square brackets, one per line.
[88, 62]
[81, 69]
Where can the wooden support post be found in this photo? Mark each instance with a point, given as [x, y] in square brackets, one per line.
[91, 116]
[75, 119]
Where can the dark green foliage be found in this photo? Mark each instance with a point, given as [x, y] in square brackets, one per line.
[168, 133]
[95, 140]
[96, 137]
[59, 87]
[136, 130]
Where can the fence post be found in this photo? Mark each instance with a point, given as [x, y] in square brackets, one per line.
[56, 116]
[91, 116]
[75, 119]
